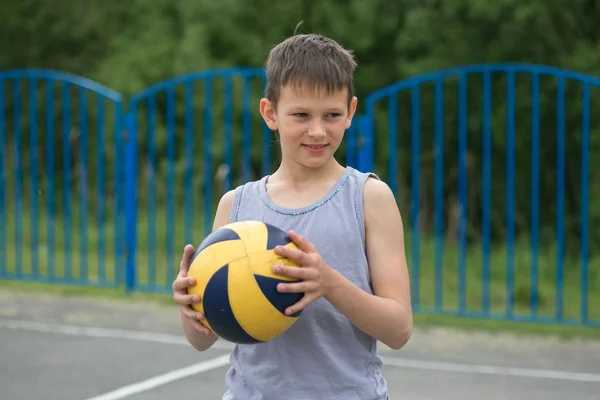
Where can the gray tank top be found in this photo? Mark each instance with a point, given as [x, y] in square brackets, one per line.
[322, 356]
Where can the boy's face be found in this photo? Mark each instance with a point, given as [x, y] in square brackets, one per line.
[311, 123]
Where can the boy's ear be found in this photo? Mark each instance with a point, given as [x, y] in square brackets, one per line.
[268, 113]
[351, 111]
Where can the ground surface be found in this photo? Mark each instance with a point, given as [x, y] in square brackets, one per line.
[60, 348]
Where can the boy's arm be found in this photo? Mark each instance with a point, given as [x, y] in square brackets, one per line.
[197, 339]
[386, 315]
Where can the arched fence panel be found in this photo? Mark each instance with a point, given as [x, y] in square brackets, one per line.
[491, 166]
[192, 138]
[61, 202]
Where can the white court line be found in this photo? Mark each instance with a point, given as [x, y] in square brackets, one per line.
[73, 330]
[391, 361]
[163, 379]
[492, 370]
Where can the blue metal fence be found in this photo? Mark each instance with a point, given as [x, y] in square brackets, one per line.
[60, 174]
[512, 126]
[125, 185]
[207, 118]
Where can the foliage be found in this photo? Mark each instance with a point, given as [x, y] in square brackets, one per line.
[129, 45]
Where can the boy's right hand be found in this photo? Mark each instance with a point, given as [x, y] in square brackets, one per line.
[185, 300]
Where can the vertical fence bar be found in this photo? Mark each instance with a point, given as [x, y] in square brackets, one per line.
[130, 197]
[510, 192]
[170, 222]
[3, 155]
[101, 190]
[208, 159]
[439, 194]
[152, 191]
[462, 193]
[585, 171]
[535, 194]
[393, 142]
[120, 181]
[189, 161]
[228, 131]
[50, 195]
[416, 189]
[18, 178]
[66, 164]
[365, 136]
[82, 181]
[486, 198]
[560, 195]
[246, 129]
[33, 178]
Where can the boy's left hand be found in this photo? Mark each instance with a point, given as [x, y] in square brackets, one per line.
[316, 276]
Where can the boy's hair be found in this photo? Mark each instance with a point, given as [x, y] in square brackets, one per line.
[312, 61]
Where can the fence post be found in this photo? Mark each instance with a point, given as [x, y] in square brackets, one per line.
[364, 144]
[130, 191]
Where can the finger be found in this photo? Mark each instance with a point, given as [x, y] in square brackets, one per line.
[185, 299]
[297, 287]
[302, 242]
[181, 284]
[197, 325]
[188, 252]
[200, 328]
[191, 314]
[296, 272]
[301, 305]
[293, 254]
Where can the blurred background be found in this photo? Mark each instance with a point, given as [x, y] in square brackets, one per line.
[123, 122]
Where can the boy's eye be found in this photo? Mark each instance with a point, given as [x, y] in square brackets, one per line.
[329, 115]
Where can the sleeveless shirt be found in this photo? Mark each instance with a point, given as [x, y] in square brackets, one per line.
[322, 356]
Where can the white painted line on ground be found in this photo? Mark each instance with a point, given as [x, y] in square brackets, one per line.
[163, 379]
[388, 361]
[104, 333]
[491, 370]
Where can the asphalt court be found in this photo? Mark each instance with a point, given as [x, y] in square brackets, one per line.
[61, 353]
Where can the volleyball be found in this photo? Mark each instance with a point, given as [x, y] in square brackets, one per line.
[233, 269]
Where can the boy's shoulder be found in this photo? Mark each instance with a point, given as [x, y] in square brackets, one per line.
[375, 185]
[231, 194]
[377, 195]
[255, 183]
[242, 186]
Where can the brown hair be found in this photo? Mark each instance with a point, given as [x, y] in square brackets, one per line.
[309, 60]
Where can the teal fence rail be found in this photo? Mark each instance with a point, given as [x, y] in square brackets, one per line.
[490, 164]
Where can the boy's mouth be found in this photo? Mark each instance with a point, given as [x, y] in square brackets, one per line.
[315, 148]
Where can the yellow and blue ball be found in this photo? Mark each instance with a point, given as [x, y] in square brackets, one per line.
[233, 268]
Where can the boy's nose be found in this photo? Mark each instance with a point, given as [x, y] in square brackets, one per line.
[317, 131]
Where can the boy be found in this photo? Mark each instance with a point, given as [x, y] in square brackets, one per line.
[349, 231]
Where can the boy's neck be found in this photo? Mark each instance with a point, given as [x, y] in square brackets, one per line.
[298, 175]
